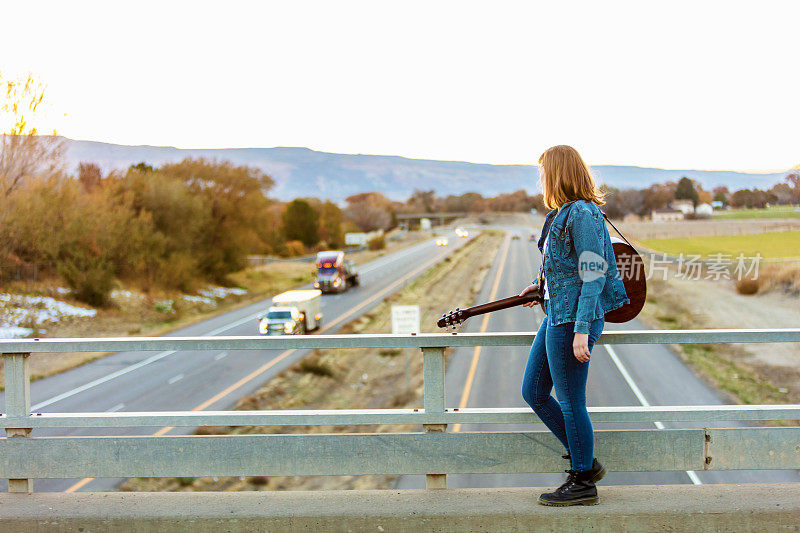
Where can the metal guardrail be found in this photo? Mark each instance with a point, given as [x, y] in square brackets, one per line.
[433, 451]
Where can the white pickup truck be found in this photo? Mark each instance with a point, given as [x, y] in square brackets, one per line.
[292, 313]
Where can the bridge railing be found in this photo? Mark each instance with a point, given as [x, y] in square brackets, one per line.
[432, 451]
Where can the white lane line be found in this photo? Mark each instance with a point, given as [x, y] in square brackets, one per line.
[116, 408]
[162, 355]
[377, 263]
[102, 380]
[640, 396]
[220, 355]
[174, 379]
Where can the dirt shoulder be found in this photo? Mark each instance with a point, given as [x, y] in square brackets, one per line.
[354, 379]
[756, 373]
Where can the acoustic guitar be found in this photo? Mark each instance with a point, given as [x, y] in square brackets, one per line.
[631, 270]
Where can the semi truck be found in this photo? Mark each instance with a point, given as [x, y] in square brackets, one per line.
[334, 273]
[292, 313]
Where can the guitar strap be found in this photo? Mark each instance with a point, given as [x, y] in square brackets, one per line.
[618, 231]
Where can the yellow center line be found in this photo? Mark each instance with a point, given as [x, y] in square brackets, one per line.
[287, 353]
[477, 353]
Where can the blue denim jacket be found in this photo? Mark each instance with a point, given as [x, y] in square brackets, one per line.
[580, 266]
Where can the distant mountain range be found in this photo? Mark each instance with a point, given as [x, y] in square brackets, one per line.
[303, 172]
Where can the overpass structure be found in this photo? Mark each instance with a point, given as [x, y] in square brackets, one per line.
[431, 451]
[441, 217]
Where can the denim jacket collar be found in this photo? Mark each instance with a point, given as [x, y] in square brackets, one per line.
[549, 218]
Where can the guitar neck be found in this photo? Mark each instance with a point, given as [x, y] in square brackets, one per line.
[505, 303]
[490, 307]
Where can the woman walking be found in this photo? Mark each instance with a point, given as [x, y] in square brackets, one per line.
[580, 284]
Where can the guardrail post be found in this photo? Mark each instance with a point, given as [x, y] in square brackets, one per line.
[434, 402]
[18, 404]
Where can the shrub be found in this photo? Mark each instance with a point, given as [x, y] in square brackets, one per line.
[377, 243]
[747, 286]
[91, 278]
[179, 271]
[780, 277]
[295, 248]
[316, 367]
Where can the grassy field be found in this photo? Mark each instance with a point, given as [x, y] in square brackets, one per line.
[773, 244]
[779, 211]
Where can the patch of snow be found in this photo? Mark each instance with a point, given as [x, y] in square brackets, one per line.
[63, 290]
[14, 332]
[200, 299]
[19, 309]
[222, 292]
[121, 294]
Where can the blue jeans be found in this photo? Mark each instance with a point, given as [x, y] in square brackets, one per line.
[551, 363]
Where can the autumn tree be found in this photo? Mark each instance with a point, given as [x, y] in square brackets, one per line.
[300, 222]
[793, 179]
[330, 224]
[24, 152]
[657, 196]
[720, 194]
[237, 198]
[423, 201]
[685, 190]
[89, 175]
[369, 211]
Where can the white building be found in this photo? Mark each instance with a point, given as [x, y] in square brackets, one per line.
[703, 210]
[664, 215]
[684, 206]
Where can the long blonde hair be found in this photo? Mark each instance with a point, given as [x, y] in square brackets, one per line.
[566, 177]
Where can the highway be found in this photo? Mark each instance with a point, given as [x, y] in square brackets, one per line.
[623, 375]
[172, 381]
[486, 377]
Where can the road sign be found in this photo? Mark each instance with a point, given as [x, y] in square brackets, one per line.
[405, 319]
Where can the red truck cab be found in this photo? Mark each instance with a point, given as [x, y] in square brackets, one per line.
[334, 273]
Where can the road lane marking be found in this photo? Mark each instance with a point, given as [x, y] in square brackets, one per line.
[115, 408]
[476, 355]
[161, 355]
[175, 379]
[220, 355]
[79, 484]
[102, 380]
[640, 396]
[286, 354]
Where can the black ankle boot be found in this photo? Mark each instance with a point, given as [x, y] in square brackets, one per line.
[579, 489]
[598, 470]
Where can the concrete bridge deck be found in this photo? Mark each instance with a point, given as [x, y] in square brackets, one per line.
[746, 507]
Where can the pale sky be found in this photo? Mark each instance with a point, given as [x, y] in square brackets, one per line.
[698, 84]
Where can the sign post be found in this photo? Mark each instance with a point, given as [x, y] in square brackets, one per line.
[405, 321]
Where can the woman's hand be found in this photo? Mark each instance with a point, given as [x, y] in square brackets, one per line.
[580, 345]
[529, 288]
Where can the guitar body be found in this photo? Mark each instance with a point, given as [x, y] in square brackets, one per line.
[631, 270]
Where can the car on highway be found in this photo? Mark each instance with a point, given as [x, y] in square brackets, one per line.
[516, 236]
[461, 232]
[293, 312]
[441, 241]
[533, 238]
